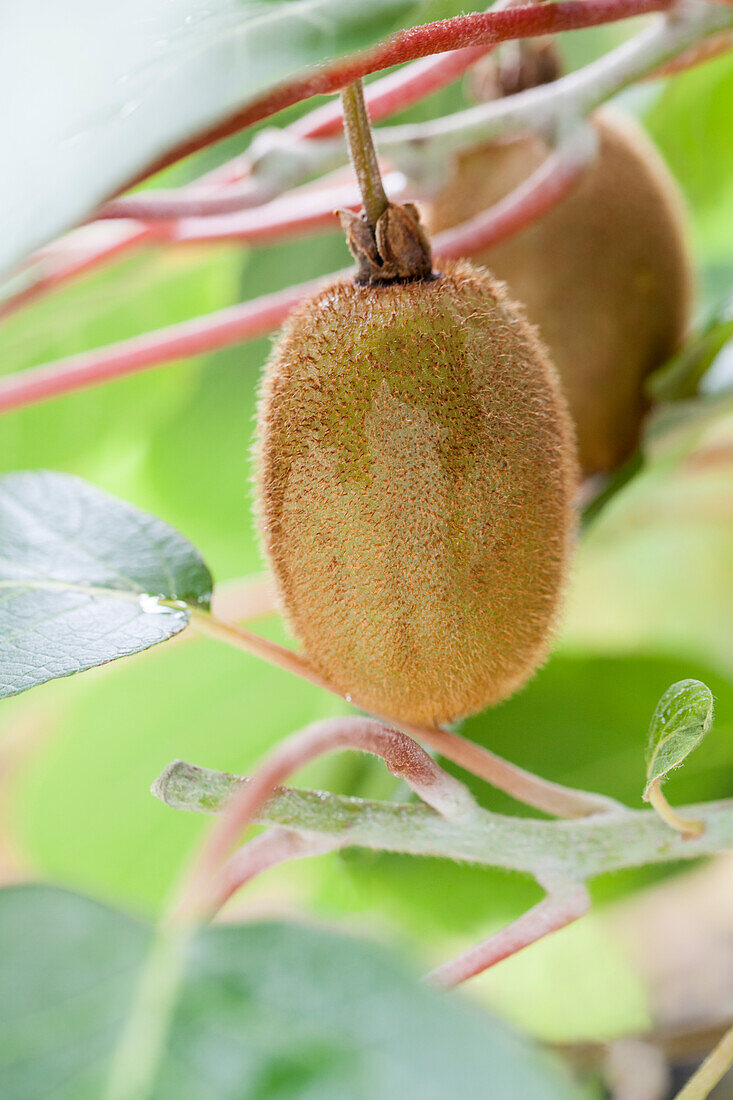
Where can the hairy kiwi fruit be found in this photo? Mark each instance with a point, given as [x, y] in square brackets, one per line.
[605, 275]
[416, 482]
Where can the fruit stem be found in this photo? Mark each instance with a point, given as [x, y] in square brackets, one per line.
[363, 154]
[554, 912]
[386, 240]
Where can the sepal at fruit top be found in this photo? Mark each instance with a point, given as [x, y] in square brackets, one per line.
[398, 248]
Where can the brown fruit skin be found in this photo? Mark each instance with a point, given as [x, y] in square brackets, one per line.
[605, 276]
[416, 483]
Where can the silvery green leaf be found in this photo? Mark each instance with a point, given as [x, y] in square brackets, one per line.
[83, 577]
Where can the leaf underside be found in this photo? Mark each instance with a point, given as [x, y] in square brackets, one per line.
[270, 1011]
[113, 87]
[81, 579]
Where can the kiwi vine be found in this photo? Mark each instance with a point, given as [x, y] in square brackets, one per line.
[431, 426]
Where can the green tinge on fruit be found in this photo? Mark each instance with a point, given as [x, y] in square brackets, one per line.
[416, 486]
[605, 276]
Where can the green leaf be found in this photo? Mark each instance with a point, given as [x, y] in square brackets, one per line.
[114, 87]
[81, 579]
[681, 377]
[683, 716]
[268, 1011]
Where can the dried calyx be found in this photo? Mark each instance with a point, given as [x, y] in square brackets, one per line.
[517, 66]
[397, 249]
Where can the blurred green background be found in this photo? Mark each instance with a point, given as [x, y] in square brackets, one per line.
[651, 602]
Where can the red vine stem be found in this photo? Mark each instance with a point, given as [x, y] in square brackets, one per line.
[241, 322]
[295, 214]
[49, 269]
[194, 337]
[485, 29]
[277, 845]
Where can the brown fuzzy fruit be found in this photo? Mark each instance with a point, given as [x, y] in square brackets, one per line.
[605, 275]
[416, 487]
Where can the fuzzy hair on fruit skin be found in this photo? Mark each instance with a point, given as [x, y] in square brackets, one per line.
[416, 482]
[606, 276]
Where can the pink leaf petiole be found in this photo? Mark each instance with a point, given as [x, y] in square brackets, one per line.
[403, 757]
[277, 845]
[551, 798]
[559, 908]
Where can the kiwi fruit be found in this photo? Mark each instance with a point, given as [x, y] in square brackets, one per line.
[605, 275]
[416, 481]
